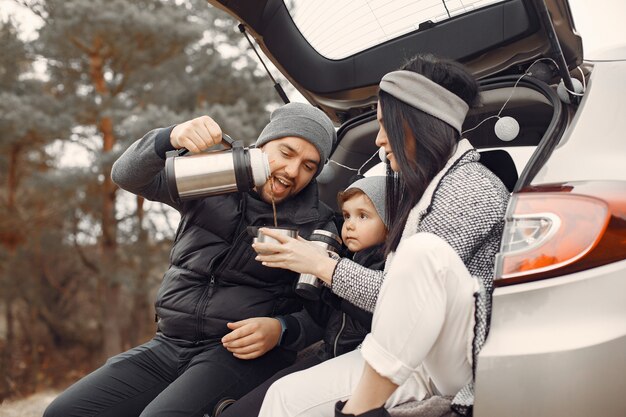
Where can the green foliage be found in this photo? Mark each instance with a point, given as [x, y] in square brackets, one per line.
[14, 61]
[150, 53]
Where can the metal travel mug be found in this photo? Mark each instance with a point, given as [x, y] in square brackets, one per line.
[262, 238]
[309, 286]
[218, 172]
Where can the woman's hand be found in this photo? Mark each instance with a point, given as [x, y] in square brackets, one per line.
[298, 255]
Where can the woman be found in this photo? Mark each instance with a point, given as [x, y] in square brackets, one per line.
[431, 316]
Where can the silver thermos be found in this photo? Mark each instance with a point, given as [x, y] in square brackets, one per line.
[218, 172]
[309, 286]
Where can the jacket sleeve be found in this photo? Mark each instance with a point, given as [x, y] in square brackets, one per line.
[357, 314]
[357, 284]
[141, 168]
[301, 331]
[466, 223]
[320, 309]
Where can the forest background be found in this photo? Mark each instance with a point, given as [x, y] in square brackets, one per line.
[80, 260]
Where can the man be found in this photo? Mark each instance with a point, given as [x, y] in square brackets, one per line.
[225, 322]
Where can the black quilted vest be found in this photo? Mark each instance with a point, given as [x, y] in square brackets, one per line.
[213, 277]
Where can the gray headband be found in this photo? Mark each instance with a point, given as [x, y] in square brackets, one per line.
[426, 95]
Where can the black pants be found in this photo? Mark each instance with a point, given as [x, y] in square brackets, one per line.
[250, 404]
[166, 377]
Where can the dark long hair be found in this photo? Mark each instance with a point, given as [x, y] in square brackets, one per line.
[421, 143]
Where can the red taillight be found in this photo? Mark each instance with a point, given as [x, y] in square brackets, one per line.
[553, 230]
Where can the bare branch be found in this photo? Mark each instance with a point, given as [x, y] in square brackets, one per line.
[88, 263]
[83, 47]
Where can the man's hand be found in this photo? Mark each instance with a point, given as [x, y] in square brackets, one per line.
[253, 337]
[196, 135]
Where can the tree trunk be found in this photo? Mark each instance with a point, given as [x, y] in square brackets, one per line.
[5, 359]
[109, 283]
[32, 335]
[10, 236]
[141, 315]
[113, 314]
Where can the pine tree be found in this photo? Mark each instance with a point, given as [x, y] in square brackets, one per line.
[29, 122]
[114, 70]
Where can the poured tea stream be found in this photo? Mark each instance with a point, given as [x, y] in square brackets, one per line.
[273, 202]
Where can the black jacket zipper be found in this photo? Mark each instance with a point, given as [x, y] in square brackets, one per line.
[208, 291]
[343, 325]
[204, 300]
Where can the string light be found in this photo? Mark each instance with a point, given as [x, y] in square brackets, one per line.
[527, 72]
[358, 170]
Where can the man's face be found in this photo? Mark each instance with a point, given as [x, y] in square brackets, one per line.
[293, 163]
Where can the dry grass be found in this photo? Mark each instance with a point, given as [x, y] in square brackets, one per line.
[32, 406]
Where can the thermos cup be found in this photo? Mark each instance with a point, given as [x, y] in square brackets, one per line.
[259, 237]
[309, 286]
[218, 172]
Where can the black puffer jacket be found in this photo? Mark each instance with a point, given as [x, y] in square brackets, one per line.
[346, 325]
[213, 278]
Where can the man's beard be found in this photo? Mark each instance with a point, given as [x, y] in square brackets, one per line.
[266, 193]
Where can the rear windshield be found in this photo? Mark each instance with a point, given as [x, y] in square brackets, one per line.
[340, 28]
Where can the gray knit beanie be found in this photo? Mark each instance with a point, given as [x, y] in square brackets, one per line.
[373, 187]
[303, 121]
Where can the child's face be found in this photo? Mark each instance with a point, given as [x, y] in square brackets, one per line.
[362, 226]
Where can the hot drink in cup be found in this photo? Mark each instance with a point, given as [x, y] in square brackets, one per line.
[263, 238]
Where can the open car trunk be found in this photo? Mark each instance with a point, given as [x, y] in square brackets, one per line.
[497, 42]
[496, 39]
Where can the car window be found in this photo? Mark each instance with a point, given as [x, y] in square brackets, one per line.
[338, 29]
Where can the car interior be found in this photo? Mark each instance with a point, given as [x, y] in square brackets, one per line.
[531, 102]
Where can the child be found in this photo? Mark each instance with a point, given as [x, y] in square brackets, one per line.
[364, 231]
